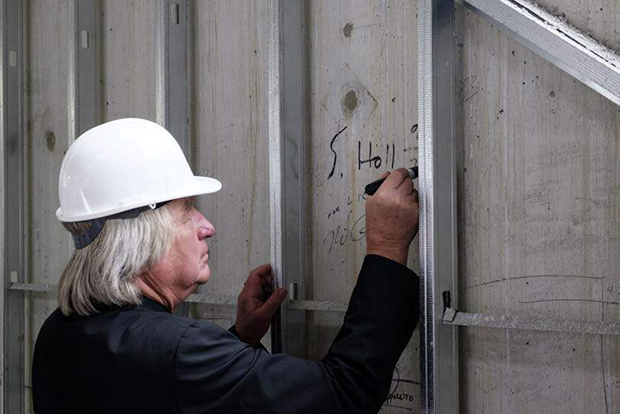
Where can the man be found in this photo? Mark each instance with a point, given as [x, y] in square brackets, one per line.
[114, 345]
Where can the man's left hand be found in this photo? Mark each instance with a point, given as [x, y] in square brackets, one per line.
[257, 304]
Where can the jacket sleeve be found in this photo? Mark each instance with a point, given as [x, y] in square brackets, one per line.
[233, 330]
[216, 372]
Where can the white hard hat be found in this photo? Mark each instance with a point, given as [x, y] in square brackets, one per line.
[122, 165]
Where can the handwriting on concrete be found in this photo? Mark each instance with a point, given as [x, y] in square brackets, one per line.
[372, 155]
[468, 88]
[398, 397]
[354, 230]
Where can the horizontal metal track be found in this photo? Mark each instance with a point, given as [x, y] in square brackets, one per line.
[210, 299]
[317, 305]
[453, 317]
[552, 38]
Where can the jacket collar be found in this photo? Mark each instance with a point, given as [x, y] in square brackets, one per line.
[153, 305]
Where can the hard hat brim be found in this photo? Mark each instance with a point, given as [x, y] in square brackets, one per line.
[199, 186]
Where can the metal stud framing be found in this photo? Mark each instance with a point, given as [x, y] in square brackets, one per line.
[438, 231]
[211, 299]
[172, 74]
[577, 54]
[453, 317]
[286, 157]
[88, 56]
[275, 166]
[293, 203]
[172, 78]
[84, 112]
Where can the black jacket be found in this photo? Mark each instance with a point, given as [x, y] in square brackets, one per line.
[144, 359]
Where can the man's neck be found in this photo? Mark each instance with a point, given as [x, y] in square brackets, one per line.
[164, 297]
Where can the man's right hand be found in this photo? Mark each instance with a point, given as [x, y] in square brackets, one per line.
[392, 217]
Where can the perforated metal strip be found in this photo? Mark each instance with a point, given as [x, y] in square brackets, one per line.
[425, 109]
[275, 165]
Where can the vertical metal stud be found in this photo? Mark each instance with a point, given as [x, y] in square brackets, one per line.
[438, 230]
[161, 40]
[275, 165]
[13, 200]
[88, 62]
[286, 167]
[172, 78]
[171, 72]
[72, 63]
[293, 203]
[171, 69]
[177, 79]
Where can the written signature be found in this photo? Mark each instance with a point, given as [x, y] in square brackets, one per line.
[353, 230]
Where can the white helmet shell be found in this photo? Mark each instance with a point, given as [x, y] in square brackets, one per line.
[122, 165]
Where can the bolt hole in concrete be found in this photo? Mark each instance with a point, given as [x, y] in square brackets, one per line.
[348, 28]
[51, 141]
[349, 102]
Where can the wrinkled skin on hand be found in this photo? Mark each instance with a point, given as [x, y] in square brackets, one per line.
[392, 217]
[257, 304]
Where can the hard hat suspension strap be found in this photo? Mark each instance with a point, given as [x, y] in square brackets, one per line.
[96, 225]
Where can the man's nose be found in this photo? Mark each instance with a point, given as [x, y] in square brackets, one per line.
[206, 229]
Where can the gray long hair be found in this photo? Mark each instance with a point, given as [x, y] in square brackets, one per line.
[103, 273]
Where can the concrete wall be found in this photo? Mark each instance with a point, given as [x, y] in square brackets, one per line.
[362, 64]
[231, 141]
[47, 138]
[538, 182]
[538, 222]
[371, 93]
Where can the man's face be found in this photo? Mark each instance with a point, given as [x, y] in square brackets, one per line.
[188, 257]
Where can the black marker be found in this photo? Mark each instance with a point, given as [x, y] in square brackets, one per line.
[372, 188]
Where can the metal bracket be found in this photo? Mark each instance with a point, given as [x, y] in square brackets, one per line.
[448, 312]
[448, 315]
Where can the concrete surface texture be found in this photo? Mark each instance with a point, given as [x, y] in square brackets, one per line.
[361, 98]
[538, 222]
[538, 177]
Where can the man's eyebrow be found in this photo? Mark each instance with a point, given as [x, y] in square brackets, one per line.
[189, 203]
